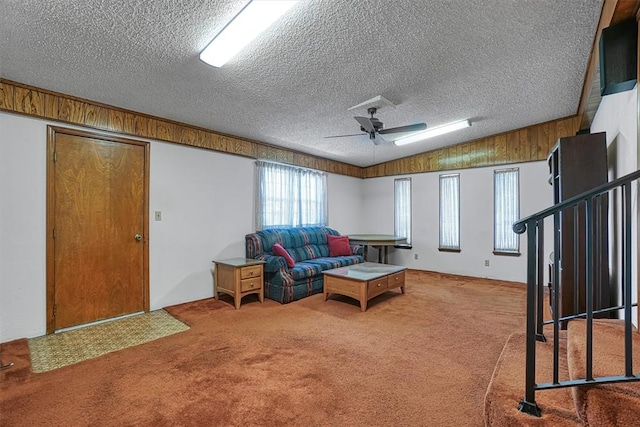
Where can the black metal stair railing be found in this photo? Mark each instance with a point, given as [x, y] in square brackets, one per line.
[587, 206]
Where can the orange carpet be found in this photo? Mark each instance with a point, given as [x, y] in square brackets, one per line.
[600, 405]
[607, 404]
[420, 359]
[507, 387]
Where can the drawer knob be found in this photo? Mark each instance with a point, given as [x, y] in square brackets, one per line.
[379, 284]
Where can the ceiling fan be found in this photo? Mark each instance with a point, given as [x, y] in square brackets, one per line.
[374, 128]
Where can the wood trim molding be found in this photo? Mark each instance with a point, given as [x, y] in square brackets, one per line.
[521, 145]
[36, 102]
[528, 144]
[625, 9]
[608, 9]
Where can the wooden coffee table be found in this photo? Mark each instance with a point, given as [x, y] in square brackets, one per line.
[363, 281]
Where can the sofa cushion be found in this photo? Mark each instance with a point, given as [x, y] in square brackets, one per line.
[280, 251]
[311, 267]
[305, 269]
[307, 252]
[335, 262]
[339, 246]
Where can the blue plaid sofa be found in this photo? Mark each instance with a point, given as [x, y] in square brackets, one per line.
[309, 249]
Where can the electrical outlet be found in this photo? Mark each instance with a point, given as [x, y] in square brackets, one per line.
[158, 216]
[486, 263]
[415, 256]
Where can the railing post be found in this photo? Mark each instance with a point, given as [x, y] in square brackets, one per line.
[540, 303]
[576, 258]
[626, 280]
[597, 256]
[528, 404]
[589, 285]
[556, 293]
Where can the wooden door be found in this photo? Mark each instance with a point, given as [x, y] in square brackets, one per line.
[97, 220]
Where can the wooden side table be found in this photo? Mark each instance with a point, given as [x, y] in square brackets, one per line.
[239, 277]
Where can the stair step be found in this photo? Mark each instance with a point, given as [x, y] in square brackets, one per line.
[506, 388]
[607, 404]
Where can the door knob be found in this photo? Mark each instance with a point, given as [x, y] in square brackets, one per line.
[138, 237]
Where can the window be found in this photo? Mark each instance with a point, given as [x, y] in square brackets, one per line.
[450, 212]
[289, 196]
[506, 211]
[402, 204]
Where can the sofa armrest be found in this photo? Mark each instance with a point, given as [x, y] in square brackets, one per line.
[273, 263]
[357, 249]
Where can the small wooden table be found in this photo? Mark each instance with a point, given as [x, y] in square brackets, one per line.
[239, 277]
[363, 281]
[378, 241]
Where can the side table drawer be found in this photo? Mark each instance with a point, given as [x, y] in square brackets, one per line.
[250, 284]
[249, 272]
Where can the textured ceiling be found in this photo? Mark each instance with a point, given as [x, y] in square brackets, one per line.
[504, 64]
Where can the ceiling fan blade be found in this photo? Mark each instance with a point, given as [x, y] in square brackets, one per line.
[366, 123]
[408, 128]
[344, 136]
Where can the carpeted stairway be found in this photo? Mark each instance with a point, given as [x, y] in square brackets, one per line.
[601, 405]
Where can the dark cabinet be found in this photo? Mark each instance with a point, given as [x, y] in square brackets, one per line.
[576, 165]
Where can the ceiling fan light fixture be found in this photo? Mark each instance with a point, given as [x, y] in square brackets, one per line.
[436, 131]
[253, 19]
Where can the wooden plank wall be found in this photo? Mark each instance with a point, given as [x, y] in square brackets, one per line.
[522, 145]
[31, 101]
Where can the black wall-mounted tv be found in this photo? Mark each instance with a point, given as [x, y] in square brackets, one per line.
[619, 57]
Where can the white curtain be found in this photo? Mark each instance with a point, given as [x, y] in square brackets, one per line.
[506, 210]
[288, 196]
[450, 211]
[402, 214]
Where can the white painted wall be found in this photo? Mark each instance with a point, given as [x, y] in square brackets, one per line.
[476, 220]
[345, 203]
[617, 115]
[22, 227]
[206, 200]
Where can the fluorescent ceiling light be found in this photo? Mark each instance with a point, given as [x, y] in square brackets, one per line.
[253, 19]
[430, 133]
